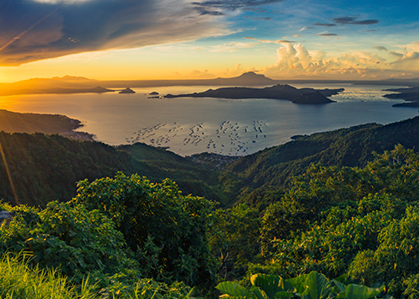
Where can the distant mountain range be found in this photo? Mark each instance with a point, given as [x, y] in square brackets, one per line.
[78, 84]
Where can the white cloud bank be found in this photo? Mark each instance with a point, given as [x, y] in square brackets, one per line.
[296, 60]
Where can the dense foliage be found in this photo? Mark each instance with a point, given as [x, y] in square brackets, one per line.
[353, 214]
[68, 237]
[257, 179]
[308, 286]
[19, 280]
[166, 229]
[44, 168]
[361, 222]
[166, 242]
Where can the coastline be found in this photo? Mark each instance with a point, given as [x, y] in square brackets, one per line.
[187, 126]
[14, 122]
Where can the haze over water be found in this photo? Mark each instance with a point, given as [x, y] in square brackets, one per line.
[194, 125]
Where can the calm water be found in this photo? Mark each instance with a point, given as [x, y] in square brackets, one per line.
[229, 127]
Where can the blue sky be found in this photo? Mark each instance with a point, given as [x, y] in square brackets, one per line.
[151, 39]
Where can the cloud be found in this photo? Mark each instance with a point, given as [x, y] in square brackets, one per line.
[324, 24]
[41, 29]
[232, 47]
[203, 11]
[409, 60]
[306, 28]
[296, 60]
[61, 1]
[234, 4]
[196, 74]
[344, 20]
[236, 71]
[380, 48]
[259, 18]
[352, 21]
[279, 41]
[327, 34]
[396, 54]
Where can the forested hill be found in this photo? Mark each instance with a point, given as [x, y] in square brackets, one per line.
[131, 235]
[47, 167]
[259, 177]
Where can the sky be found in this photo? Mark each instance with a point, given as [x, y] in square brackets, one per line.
[197, 39]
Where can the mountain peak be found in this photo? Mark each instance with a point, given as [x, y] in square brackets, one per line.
[251, 75]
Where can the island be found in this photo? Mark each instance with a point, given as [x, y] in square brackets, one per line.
[154, 95]
[408, 94]
[279, 92]
[127, 90]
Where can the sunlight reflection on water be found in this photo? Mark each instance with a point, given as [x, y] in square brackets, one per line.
[229, 127]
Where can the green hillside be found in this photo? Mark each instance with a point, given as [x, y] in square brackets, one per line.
[47, 167]
[255, 178]
[323, 212]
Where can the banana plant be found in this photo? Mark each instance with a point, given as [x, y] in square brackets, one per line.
[307, 286]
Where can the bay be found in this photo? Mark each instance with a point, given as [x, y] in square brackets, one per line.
[193, 125]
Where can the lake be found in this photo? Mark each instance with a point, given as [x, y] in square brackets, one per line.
[194, 125]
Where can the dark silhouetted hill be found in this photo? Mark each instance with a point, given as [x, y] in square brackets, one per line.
[280, 92]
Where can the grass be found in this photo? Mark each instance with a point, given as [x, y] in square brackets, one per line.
[19, 280]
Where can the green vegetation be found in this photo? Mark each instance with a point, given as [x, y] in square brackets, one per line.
[33, 122]
[19, 279]
[107, 243]
[310, 286]
[44, 168]
[352, 216]
[258, 180]
[166, 230]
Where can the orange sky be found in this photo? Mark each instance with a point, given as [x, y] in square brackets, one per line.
[168, 39]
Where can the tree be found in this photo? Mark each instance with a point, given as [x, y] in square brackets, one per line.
[163, 227]
[233, 239]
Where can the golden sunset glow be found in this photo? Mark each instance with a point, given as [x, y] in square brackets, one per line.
[167, 39]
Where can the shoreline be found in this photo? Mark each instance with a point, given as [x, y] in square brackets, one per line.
[30, 123]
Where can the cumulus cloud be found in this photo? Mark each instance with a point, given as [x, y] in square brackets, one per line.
[295, 60]
[39, 29]
[409, 61]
